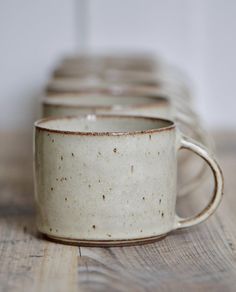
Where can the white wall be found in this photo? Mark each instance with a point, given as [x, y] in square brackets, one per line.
[198, 36]
[33, 34]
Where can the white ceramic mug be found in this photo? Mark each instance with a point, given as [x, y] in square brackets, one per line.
[111, 180]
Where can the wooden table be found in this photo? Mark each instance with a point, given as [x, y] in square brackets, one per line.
[202, 258]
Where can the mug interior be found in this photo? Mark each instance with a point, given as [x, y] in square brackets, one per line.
[101, 124]
[103, 100]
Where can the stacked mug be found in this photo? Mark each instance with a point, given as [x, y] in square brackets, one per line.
[106, 151]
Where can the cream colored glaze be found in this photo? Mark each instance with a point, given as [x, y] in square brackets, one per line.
[110, 186]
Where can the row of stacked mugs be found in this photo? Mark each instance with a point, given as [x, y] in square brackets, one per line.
[127, 85]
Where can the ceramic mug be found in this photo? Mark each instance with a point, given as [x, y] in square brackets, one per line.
[111, 180]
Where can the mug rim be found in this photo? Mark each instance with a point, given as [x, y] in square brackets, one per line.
[156, 100]
[169, 127]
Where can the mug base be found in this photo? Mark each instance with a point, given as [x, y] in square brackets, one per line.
[106, 243]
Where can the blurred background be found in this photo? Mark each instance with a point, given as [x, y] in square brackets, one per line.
[197, 36]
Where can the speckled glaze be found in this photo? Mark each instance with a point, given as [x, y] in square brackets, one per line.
[109, 180]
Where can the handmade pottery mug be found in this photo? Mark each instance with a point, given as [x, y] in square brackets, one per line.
[111, 180]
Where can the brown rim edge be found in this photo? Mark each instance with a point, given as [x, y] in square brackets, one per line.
[151, 131]
[105, 243]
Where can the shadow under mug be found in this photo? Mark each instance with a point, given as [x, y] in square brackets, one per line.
[111, 180]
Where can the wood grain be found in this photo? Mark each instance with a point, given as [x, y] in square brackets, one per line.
[27, 261]
[198, 259]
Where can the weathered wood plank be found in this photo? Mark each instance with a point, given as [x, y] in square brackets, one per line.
[27, 262]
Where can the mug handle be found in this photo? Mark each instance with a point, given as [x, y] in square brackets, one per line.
[200, 150]
[203, 138]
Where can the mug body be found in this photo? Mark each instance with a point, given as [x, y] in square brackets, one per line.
[105, 180]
